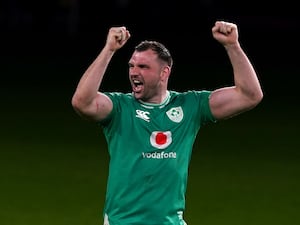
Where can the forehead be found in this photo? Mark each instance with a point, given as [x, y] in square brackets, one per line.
[144, 57]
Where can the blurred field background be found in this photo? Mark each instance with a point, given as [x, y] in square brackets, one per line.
[53, 164]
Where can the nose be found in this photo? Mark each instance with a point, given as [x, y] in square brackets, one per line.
[133, 71]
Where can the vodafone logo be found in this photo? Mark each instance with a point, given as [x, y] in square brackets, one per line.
[161, 139]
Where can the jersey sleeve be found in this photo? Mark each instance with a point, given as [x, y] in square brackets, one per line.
[114, 97]
[202, 100]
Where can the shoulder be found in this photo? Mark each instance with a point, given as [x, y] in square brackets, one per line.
[120, 102]
[191, 94]
[119, 96]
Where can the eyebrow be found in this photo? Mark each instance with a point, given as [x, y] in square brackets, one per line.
[142, 65]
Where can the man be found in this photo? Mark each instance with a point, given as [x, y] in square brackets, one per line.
[150, 131]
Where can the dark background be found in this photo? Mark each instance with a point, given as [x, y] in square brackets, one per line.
[53, 164]
[70, 33]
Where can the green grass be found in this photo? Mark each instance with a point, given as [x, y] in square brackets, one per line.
[248, 174]
[53, 167]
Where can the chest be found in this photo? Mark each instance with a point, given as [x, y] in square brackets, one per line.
[157, 118]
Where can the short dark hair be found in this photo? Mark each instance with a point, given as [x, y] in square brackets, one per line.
[162, 52]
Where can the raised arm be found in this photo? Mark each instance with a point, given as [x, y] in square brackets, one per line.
[87, 100]
[246, 92]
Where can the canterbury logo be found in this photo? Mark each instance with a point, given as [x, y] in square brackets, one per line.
[142, 115]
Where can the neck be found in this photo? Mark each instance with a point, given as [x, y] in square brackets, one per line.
[163, 97]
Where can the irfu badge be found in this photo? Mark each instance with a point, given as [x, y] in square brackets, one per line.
[175, 114]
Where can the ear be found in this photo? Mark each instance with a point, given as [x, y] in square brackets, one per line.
[165, 73]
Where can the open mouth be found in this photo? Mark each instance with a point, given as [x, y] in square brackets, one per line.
[137, 85]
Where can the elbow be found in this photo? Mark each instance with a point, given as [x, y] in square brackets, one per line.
[74, 102]
[259, 96]
[256, 98]
[77, 103]
[79, 106]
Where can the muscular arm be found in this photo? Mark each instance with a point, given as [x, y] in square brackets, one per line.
[87, 100]
[246, 92]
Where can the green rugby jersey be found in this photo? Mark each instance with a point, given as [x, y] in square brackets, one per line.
[150, 146]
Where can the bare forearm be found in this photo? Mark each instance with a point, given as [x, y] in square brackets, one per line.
[90, 82]
[245, 77]
[246, 92]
